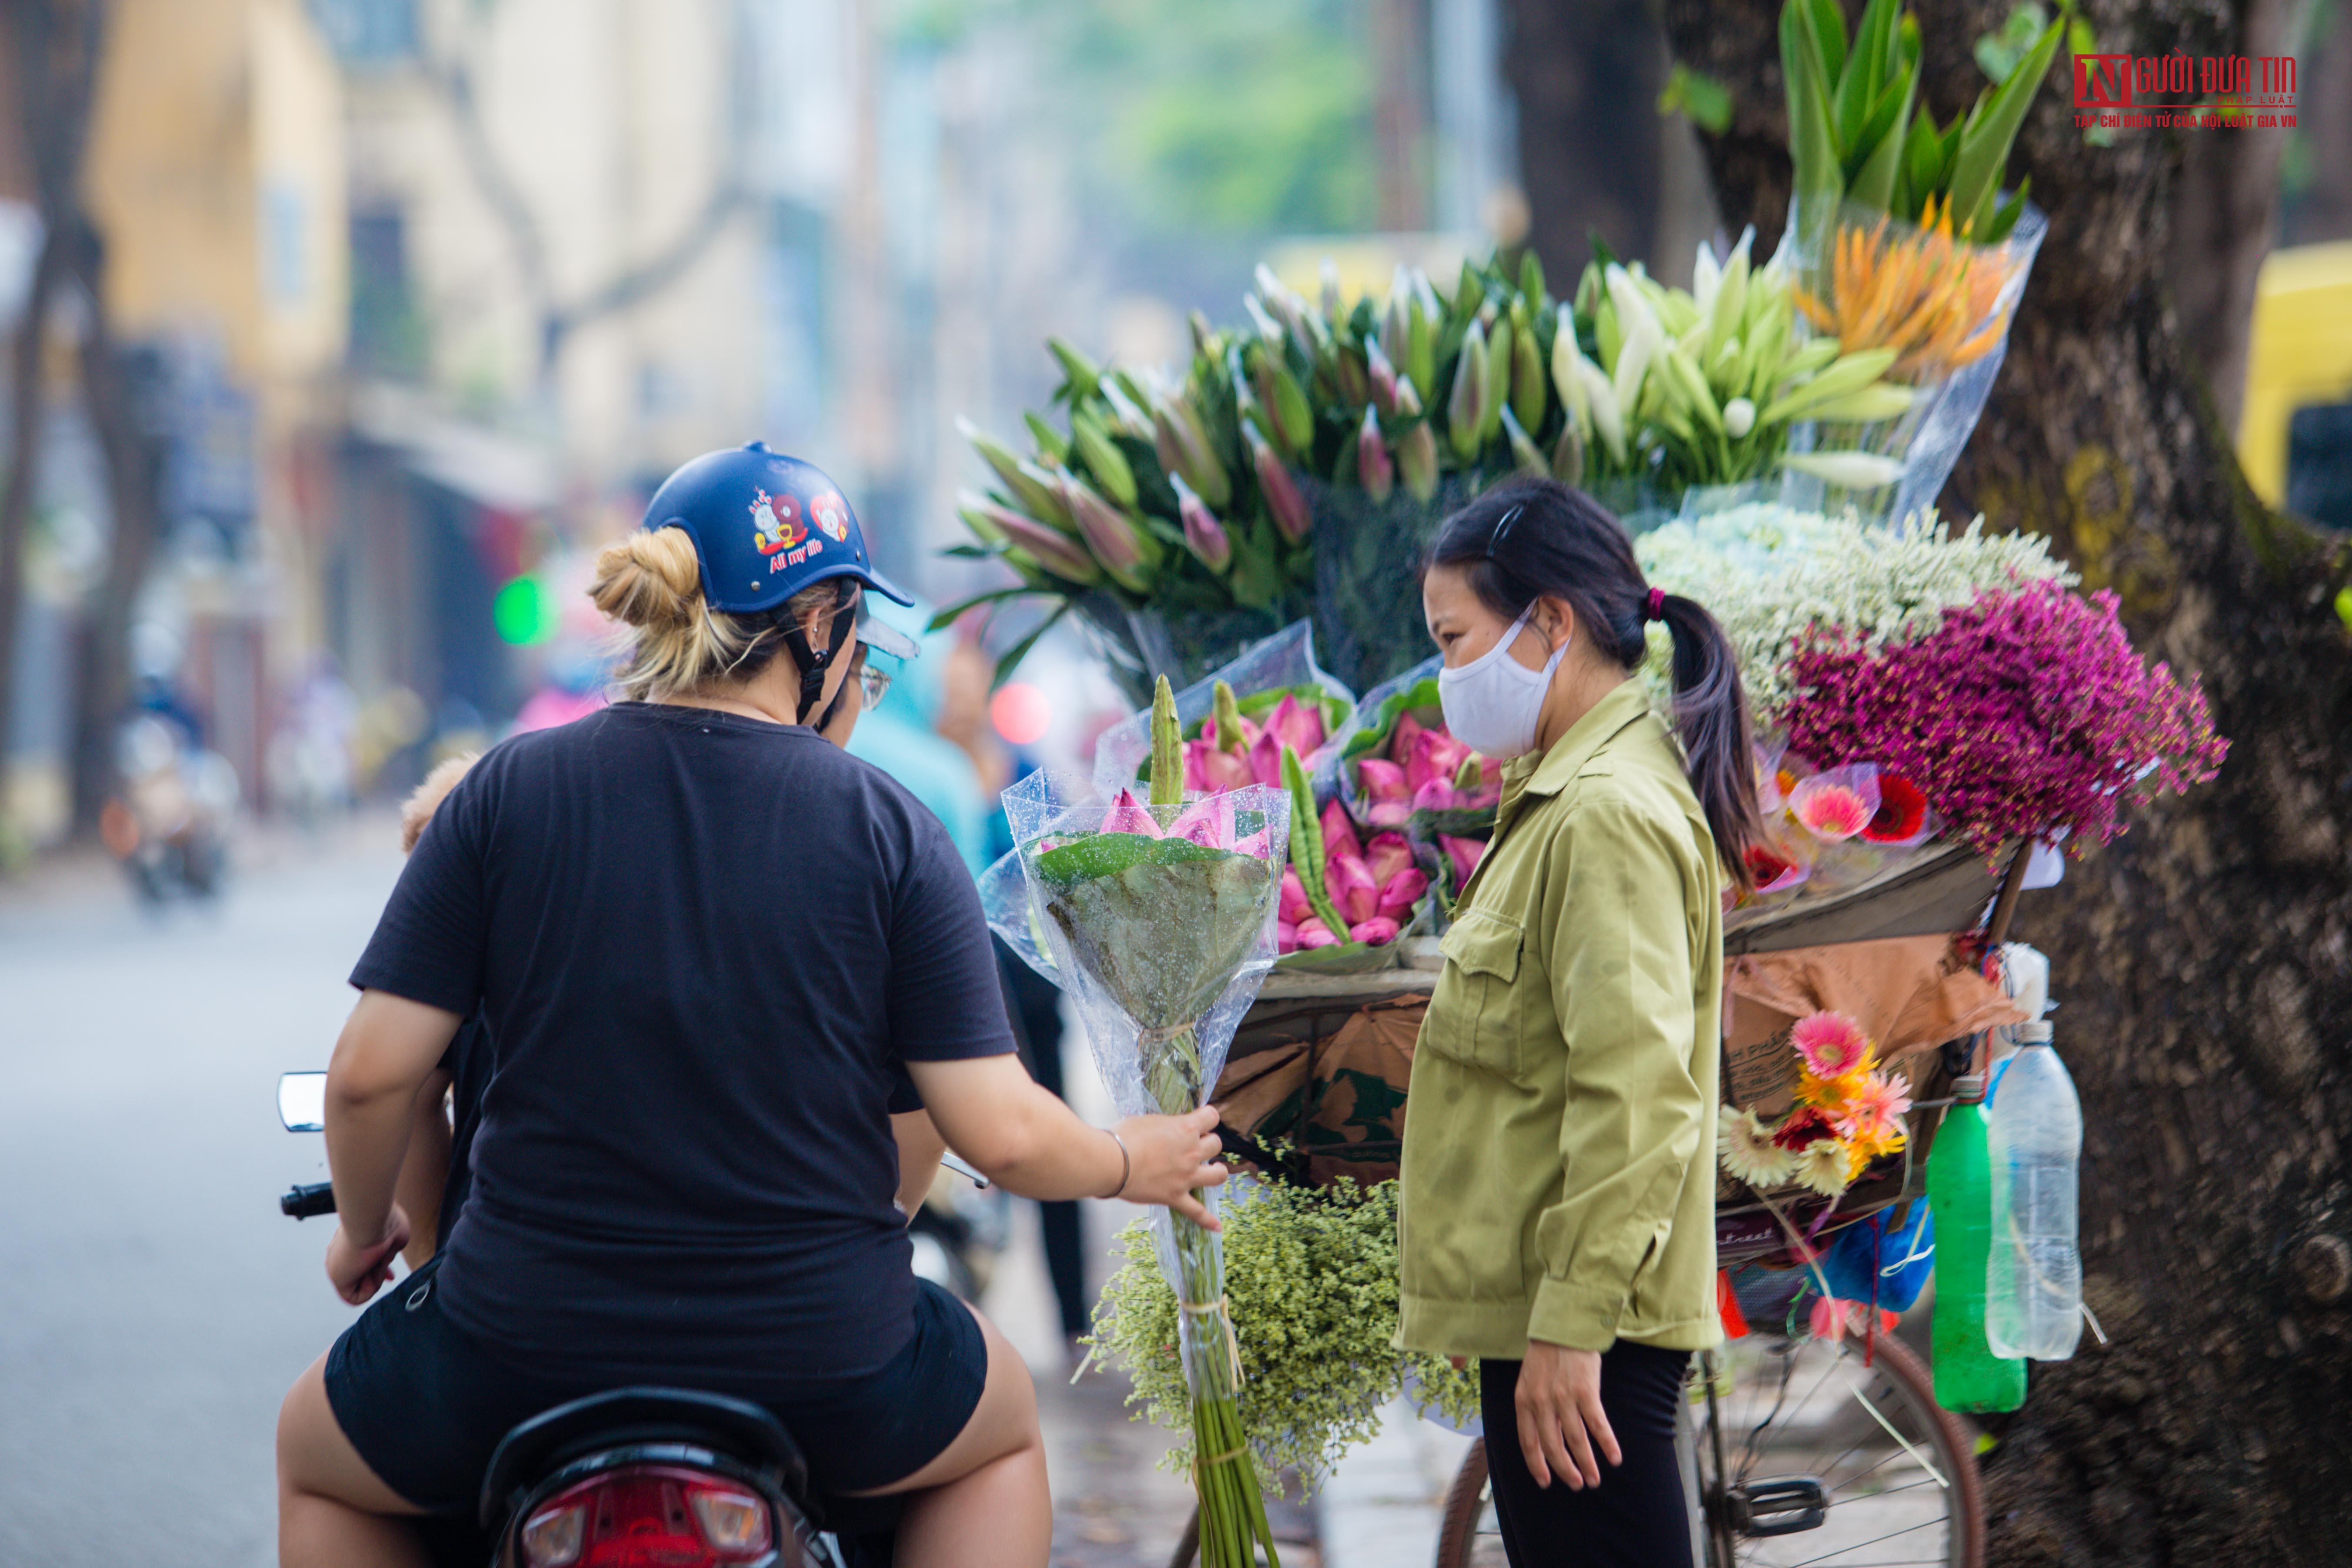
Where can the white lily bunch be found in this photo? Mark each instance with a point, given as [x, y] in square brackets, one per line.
[1700, 387]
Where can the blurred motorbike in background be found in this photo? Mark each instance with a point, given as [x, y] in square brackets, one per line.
[169, 824]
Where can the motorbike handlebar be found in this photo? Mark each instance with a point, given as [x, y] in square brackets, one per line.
[303, 1202]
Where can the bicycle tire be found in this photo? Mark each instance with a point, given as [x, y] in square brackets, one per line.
[1466, 1499]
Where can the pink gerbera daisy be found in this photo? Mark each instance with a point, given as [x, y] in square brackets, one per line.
[1834, 812]
[1872, 1109]
[1831, 1045]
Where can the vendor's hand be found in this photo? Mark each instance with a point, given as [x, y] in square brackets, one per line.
[1560, 1420]
[358, 1272]
[1169, 1156]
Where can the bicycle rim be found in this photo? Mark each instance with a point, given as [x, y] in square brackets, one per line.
[1889, 1469]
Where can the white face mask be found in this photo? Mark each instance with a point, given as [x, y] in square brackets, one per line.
[1492, 704]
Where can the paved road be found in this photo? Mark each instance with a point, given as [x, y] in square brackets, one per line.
[154, 1305]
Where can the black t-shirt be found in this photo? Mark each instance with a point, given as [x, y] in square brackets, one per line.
[703, 946]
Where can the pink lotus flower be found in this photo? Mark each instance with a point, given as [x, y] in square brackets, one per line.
[1128, 815]
[1241, 743]
[1265, 758]
[1351, 888]
[1313, 933]
[1400, 893]
[1295, 906]
[1259, 844]
[1465, 853]
[1207, 769]
[1208, 822]
[1436, 757]
[1872, 1109]
[1286, 937]
[1408, 731]
[1831, 1045]
[1339, 833]
[1378, 932]
[1387, 800]
[1385, 856]
[1295, 724]
[1437, 795]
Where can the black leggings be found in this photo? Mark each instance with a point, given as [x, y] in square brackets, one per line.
[1636, 1518]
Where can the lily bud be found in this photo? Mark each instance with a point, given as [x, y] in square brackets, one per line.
[1383, 376]
[1738, 417]
[1523, 450]
[1126, 552]
[1203, 534]
[1292, 518]
[1374, 468]
[1330, 280]
[1052, 549]
[1183, 448]
[1420, 361]
[1102, 457]
[1279, 392]
[1852, 470]
[1416, 458]
[1500, 348]
[1529, 394]
[1030, 485]
[1082, 373]
[1567, 456]
[1467, 410]
[1052, 445]
[1354, 382]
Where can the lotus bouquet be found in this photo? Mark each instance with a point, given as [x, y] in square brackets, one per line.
[1848, 1113]
[1160, 917]
[1234, 750]
[1351, 892]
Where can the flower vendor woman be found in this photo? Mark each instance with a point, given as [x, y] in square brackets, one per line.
[1558, 1185]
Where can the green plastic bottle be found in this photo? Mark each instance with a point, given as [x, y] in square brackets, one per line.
[1968, 1376]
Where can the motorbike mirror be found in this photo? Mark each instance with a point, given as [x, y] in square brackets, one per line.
[302, 1101]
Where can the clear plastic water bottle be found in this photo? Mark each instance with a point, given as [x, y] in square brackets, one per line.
[2033, 1274]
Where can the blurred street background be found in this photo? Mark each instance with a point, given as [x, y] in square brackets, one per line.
[340, 334]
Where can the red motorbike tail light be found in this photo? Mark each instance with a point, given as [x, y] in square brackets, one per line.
[649, 1516]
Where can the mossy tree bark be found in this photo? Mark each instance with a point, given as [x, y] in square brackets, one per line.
[2205, 959]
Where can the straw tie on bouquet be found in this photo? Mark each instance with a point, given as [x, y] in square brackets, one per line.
[1160, 917]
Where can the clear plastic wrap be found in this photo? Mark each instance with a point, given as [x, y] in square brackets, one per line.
[1285, 661]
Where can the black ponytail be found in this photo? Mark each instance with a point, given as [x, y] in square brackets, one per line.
[1527, 538]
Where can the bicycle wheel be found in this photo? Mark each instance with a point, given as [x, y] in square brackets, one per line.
[1793, 1448]
[1806, 1457]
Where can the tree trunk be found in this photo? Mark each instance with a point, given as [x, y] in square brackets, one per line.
[1585, 76]
[2205, 959]
[27, 410]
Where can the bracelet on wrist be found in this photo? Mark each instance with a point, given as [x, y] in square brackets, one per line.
[1126, 1163]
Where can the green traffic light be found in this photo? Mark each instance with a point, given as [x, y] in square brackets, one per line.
[525, 612]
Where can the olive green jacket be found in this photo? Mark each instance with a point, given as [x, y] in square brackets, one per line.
[1559, 1138]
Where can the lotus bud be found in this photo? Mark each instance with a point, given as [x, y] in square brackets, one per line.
[1126, 552]
[1374, 468]
[1052, 549]
[1568, 455]
[1501, 339]
[1851, 470]
[1338, 832]
[1265, 759]
[1295, 906]
[1299, 725]
[1292, 518]
[1378, 932]
[1386, 855]
[1349, 884]
[1286, 937]
[1128, 815]
[1523, 452]
[1465, 853]
[1402, 891]
[1203, 534]
[1404, 740]
[1467, 410]
[1102, 457]
[1031, 486]
[1383, 376]
[1383, 786]
[1313, 933]
[1214, 769]
[1226, 721]
[1738, 417]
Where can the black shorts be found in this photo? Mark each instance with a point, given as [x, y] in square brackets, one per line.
[425, 1404]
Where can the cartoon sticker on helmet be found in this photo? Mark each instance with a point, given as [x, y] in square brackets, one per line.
[780, 529]
[830, 513]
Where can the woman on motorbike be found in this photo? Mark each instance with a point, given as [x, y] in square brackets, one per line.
[706, 944]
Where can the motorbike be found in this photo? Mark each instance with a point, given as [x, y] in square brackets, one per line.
[638, 1477]
[169, 825]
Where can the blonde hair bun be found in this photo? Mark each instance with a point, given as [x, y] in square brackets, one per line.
[650, 579]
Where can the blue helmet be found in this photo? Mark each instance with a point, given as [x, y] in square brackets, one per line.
[764, 527]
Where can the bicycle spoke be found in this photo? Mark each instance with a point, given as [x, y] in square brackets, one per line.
[1906, 1530]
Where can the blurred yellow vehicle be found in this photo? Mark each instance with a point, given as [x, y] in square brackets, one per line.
[2294, 436]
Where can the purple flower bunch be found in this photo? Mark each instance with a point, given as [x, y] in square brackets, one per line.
[2024, 713]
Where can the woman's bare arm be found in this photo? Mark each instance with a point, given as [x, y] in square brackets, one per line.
[390, 1045]
[425, 1169]
[1023, 1137]
[920, 1148]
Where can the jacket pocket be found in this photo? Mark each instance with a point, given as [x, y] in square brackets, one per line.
[1473, 1014]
